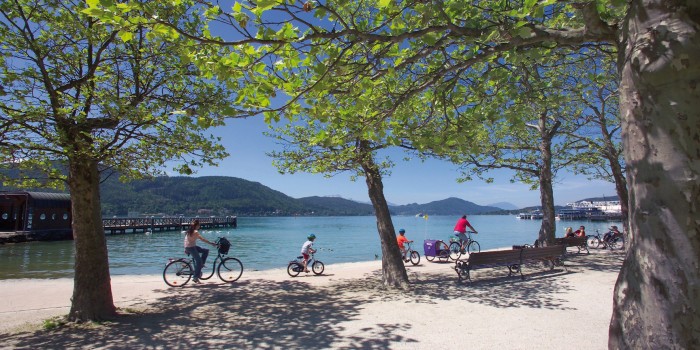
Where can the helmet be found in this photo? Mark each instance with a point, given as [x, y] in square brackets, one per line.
[311, 236]
[402, 231]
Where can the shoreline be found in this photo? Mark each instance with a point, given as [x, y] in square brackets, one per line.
[343, 308]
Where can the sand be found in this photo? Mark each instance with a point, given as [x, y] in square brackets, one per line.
[345, 308]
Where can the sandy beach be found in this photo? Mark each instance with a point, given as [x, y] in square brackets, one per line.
[345, 308]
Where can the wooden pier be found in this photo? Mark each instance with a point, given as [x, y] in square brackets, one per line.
[153, 224]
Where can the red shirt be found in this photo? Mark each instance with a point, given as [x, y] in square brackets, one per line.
[461, 225]
[401, 240]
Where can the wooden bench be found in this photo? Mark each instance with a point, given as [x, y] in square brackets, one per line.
[581, 243]
[512, 258]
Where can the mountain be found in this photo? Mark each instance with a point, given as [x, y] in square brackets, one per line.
[339, 206]
[223, 195]
[449, 206]
[504, 205]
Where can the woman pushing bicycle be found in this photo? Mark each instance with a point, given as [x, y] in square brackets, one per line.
[191, 248]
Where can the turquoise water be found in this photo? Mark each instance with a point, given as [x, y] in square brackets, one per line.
[264, 243]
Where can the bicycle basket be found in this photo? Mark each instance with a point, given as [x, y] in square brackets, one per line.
[224, 245]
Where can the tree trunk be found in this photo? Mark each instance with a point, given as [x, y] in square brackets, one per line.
[621, 189]
[548, 227]
[657, 295]
[393, 269]
[92, 291]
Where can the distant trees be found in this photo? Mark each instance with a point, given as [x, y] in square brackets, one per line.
[84, 96]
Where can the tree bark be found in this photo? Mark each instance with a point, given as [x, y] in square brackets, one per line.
[92, 291]
[393, 270]
[657, 295]
[548, 227]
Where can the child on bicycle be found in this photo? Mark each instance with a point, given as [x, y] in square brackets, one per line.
[401, 239]
[306, 249]
[460, 230]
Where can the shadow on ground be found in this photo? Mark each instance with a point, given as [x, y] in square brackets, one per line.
[293, 314]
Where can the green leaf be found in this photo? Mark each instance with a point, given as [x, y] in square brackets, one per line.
[264, 5]
[126, 36]
[383, 3]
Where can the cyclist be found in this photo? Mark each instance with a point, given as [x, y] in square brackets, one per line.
[614, 232]
[191, 248]
[401, 239]
[307, 248]
[460, 231]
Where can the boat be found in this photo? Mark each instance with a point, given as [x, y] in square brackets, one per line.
[593, 211]
[533, 215]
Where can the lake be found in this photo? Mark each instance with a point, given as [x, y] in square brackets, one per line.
[270, 242]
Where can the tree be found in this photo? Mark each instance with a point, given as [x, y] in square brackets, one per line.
[517, 117]
[337, 133]
[429, 42]
[599, 125]
[81, 99]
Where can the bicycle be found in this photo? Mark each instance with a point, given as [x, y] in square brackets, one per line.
[296, 266]
[413, 256]
[457, 246]
[612, 242]
[178, 272]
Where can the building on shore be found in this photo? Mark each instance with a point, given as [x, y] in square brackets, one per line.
[35, 216]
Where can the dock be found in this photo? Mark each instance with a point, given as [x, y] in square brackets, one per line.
[153, 224]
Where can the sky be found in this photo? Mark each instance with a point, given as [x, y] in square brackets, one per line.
[409, 182]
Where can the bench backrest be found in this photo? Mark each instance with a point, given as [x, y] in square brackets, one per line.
[571, 241]
[495, 257]
[543, 252]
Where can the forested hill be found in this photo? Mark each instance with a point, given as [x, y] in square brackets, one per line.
[222, 195]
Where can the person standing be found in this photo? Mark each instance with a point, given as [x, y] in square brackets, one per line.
[191, 248]
[461, 230]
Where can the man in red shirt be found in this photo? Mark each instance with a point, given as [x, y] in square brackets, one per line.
[461, 230]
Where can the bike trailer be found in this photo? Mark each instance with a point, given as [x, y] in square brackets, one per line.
[431, 247]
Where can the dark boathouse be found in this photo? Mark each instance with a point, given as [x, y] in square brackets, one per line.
[35, 216]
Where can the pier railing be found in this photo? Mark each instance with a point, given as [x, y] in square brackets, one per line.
[152, 224]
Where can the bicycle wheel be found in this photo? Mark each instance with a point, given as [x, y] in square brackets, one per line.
[177, 273]
[454, 251]
[616, 243]
[294, 268]
[415, 257]
[317, 267]
[230, 270]
[430, 257]
[592, 242]
[473, 247]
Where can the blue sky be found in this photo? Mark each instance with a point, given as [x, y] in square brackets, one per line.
[410, 182]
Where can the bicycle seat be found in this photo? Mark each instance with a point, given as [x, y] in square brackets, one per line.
[300, 257]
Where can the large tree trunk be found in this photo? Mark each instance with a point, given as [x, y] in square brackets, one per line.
[548, 227]
[92, 291]
[657, 295]
[393, 269]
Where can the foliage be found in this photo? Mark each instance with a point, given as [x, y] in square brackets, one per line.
[73, 87]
